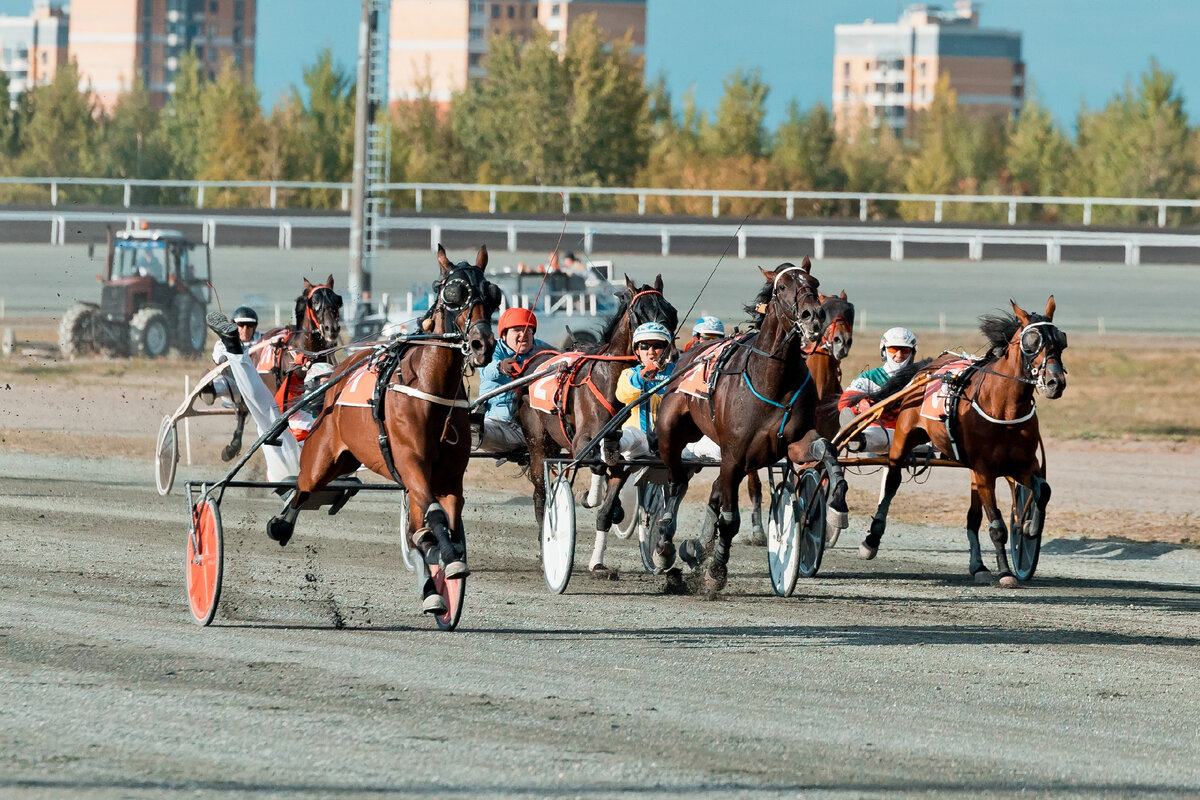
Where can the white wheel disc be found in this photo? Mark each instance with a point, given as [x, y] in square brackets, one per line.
[558, 535]
[629, 504]
[166, 456]
[783, 555]
[412, 558]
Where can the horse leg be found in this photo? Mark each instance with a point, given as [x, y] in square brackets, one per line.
[979, 571]
[694, 551]
[595, 491]
[887, 490]
[281, 526]
[758, 535]
[230, 451]
[985, 486]
[812, 447]
[717, 573]
[606, 516]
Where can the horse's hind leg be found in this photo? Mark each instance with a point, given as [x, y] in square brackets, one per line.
[230, 451]
[758, 536]
[694, 551]
[606, 516]
[730, 520]
[985, 486]
[974, 516]
[887, 490]
[281, 526]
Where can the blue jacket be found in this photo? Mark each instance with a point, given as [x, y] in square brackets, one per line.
[631, 385]
[501, 406]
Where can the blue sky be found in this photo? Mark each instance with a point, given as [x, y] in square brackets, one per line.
[1076, 51]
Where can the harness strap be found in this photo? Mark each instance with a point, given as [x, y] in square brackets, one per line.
[400, 388]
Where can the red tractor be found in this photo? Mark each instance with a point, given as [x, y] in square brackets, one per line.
[154, 297]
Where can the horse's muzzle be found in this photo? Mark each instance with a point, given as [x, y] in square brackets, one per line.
[841, 346]
[1054, 380]
[481, 343]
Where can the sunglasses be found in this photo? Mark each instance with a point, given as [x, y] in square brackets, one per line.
[247, 324]
[899, 351]
[652, 346]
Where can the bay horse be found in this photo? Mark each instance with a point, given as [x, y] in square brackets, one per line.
[290, 349]
[411, 424]
[825, 363]
[762, 407]
[982, 413]
[587, 398]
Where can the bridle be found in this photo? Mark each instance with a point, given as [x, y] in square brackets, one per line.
[461, 292]
[791, 311]
[1032, 343]
[318, 299]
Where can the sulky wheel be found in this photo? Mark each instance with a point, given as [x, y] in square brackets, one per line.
[811, 497]
[453, 591]
[412, 558]
[166, 456]
[558, 535]
[203, 561]
[629, 504]
[652, 502]
[782, 551]
[1025, 525]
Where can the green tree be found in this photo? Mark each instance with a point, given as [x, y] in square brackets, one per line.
[62, 135]
[802, 155]
[738, 128]
[131, 147]
[321, 141]
[1037, 157]
[872, 160]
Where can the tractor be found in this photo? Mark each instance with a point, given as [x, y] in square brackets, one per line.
[154, 296]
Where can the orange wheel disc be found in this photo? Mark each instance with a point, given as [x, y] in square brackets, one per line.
[452, 591]
[203, 562]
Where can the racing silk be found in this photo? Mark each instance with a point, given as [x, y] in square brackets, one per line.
[631, 385]
[856, 396]
[501, 406]
[218, 353]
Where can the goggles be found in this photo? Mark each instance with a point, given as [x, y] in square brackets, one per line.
[652, 346]
[894, 350]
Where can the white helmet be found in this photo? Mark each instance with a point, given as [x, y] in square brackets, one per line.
[651, 332]
[897, 337]
[708, 326]
[317, 374]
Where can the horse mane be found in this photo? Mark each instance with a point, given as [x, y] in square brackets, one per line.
[999, 329]
[899, 380]
[609, 328]
[756, 317]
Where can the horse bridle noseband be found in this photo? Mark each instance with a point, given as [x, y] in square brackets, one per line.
[460, 291]
[311, 305]
[792, 314]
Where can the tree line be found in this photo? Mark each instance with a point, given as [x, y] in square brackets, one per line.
[585, 116]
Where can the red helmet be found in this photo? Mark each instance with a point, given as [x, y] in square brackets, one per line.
[517, 318]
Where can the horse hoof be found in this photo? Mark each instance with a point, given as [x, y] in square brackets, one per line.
[831, 535]
[1009, 582]
[837, 520]
[692, 553]
[229, 453]
[715, 577]
[456, 569]
[664, 555]
[279, 530]
[983, 577]
[433, 604]
[758, 537]
[866, 552]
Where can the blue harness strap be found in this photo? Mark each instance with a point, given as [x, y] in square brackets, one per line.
[787, 408]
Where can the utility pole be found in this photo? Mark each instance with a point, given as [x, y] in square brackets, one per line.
[371, 155]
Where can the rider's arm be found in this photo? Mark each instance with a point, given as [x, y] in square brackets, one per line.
[491, 379]
[629, 385]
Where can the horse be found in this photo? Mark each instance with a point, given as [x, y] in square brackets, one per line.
[762, 406]
[983, 413]
[586, 398]
[318, 324]
[412, 425]
[825, 364]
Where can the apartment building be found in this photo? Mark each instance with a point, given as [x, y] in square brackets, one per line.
[437, 46]
[892, 69]
[119, 41]
[32, 48]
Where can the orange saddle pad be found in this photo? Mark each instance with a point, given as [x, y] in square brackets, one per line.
[360, 388]
[937, 391]
[695, 380]
[543, 391]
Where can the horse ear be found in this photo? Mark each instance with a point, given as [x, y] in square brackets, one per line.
[822, 297]
[445, 262]
[1022, 315]
[1050, 308]
[481, 257]
[629, 285]
[768, 276]
[307, 286]
[329, 281]
[806, 265]
[658, 284]
[843, 294]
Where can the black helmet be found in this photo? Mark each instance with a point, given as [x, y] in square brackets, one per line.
[245, 314]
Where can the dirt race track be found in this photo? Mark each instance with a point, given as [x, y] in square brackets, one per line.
[892, 677]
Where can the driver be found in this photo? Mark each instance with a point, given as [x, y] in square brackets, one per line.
[706, 329]
[246, 320]
[898, 349]
[651, 346]
[497, 430]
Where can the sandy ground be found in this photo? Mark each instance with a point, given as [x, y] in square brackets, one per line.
[892, 677]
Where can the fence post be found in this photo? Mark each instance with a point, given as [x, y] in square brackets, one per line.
[641, 204]
[420, 200]
[588, 241]
[975, 249]
[862, 209]
[716, 205]
[1133, 254]
[285, 235]
[566, 202]
[53, 193]
[1087, 213]
[435, 237]
[200, 196]
[1012, 212]
[492, 201]
[941, 322]
[1162, 215]
[741, 237]
[345, 199]
[791, 207]
[937, 211]
[272, 201]
[666, 242]
[818, 246]
[897, 248]
[127, 193]
[512, 238]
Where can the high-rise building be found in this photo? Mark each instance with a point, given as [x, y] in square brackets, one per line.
[892, 69]
[436, 46]
[119, 41]
[32, 48]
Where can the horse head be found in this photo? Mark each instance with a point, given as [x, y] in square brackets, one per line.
[637, 306]
[1041, 344]
[838, 334]
[319, 311]
[465, 303]
[791, 295]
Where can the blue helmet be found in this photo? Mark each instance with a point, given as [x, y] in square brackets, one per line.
[652, 332]
[708, 326]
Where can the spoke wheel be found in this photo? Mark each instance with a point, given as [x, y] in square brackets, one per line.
[1025, 526]
[203, 561]
[783, 554]
[558, 535]
[166, 456]
[811, 511]
[652, 502]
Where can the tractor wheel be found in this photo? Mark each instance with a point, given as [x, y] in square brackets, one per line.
[148, 333]
[190, 329]
[76, 336]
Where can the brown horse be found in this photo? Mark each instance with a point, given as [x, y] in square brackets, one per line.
[312, 338]
[587, 397]
[825, 364]
[762, 407]
[413, 426]
[986, 419]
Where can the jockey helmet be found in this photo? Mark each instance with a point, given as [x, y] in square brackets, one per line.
[517, 318]
[897, 337]
[317, 374]
[651, 332]
[708, 326]
[245, 315]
